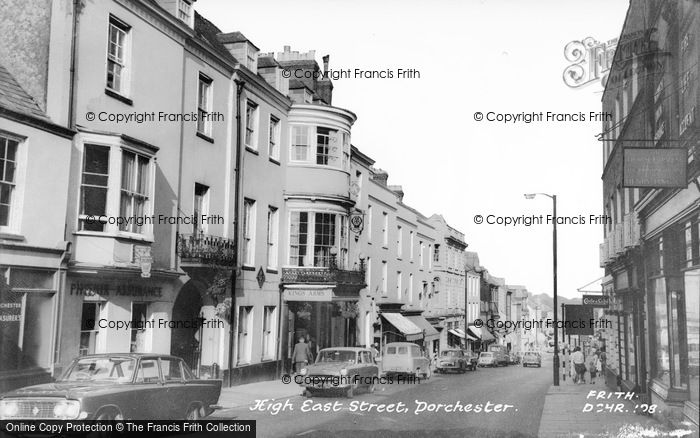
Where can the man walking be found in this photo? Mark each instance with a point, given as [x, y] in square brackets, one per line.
[301, 355]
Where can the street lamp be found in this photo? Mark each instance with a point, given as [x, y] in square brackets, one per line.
[555, 371]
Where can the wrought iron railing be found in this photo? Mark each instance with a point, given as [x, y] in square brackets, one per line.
[205, 248]
[308, 275]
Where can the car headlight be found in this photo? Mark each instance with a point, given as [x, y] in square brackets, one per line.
[8, 409]
[67, 409]
[303, 371]
[344, 372]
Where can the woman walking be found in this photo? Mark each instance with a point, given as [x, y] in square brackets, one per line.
[593, 365]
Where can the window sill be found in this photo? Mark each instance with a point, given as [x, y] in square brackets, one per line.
[118, 235]
[205, 137]
[119, 97]
[274, 161]
[248, 268]
[251, 150]
[11, 236]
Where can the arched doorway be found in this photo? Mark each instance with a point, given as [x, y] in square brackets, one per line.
[184, 342]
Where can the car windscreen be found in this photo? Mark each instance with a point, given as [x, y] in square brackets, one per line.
[451, 354]
[336, 356]
[531, 355]
[486, 355]
[113, 369]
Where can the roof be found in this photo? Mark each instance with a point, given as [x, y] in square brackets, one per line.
[208, 31]
[14, 98]
[267, 61]
[234, 37]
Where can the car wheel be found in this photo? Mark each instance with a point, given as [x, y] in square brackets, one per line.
[193, 413]
[308, 393]
[110, 414]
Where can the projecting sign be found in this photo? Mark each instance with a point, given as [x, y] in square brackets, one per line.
[655, 167]
[596, 301]
[308, 295]
[578, 319]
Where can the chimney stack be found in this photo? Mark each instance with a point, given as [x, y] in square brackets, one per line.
[325, 64]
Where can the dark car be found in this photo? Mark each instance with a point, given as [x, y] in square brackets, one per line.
[532, 358]
[116, 387]
[454, 360]
[345, 369]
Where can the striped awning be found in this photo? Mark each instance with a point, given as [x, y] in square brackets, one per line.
[404, 325]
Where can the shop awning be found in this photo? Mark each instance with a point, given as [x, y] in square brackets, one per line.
[460, 333]
[486, 336]
[474, 331]
[423, 324]
[408, 328]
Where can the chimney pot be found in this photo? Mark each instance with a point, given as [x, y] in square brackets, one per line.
[325, 63]
[287, 49]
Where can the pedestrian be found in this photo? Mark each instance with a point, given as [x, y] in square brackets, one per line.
[593, 364]
[313, 348]
[301, 356]
[578, 360]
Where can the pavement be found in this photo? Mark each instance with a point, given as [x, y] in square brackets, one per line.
[565, 413]
[246, 395]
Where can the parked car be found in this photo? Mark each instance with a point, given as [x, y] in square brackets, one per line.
[487, 359]
[116, 387]
[344, 369]
[453, 360]
[405, 358]
[500, 354]
[532, 358]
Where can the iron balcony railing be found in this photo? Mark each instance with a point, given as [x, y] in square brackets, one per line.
[206, 249]
[313, 275]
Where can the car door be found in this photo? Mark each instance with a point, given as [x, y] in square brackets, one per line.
[145, 401]
[176, 395]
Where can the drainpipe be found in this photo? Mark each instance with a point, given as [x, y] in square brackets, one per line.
[236, 228]
[73, 62]
[61, 271]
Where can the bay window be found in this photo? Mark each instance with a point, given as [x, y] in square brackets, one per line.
[316, 233]
[332, 147]
[134, 190]
[116, 181]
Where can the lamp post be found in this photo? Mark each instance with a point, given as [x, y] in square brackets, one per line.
[555, 371]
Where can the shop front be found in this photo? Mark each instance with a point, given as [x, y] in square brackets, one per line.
[110, 311]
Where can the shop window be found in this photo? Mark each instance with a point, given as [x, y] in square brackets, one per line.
[679, 364]
[139, 316]
[662, 367]
[26, 319]
[691, 236]
[269, 335]
[89, 329]
[692, 327]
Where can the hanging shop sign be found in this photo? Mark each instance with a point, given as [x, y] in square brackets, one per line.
[655, 167]
[596, 301]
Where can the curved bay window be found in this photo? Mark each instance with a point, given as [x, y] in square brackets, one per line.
[320, 145]
[317, 239]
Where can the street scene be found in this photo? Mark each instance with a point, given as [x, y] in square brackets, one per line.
[281, 219]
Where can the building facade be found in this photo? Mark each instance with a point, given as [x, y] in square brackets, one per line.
[651, 247]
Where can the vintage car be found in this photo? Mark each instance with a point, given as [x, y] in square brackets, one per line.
[454, 360]
[345, 369]
[405, 358]
[117, 386]
[487, 359]
[532, 358]
[513, 358]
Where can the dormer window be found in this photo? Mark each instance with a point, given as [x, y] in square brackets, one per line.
[184, 10]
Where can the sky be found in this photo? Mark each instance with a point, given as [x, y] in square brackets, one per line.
[500, 56]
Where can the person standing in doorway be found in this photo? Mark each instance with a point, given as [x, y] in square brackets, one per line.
[301, 355]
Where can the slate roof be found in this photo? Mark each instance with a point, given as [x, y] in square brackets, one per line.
[208, 31]
[14, 98]
[267, 61]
